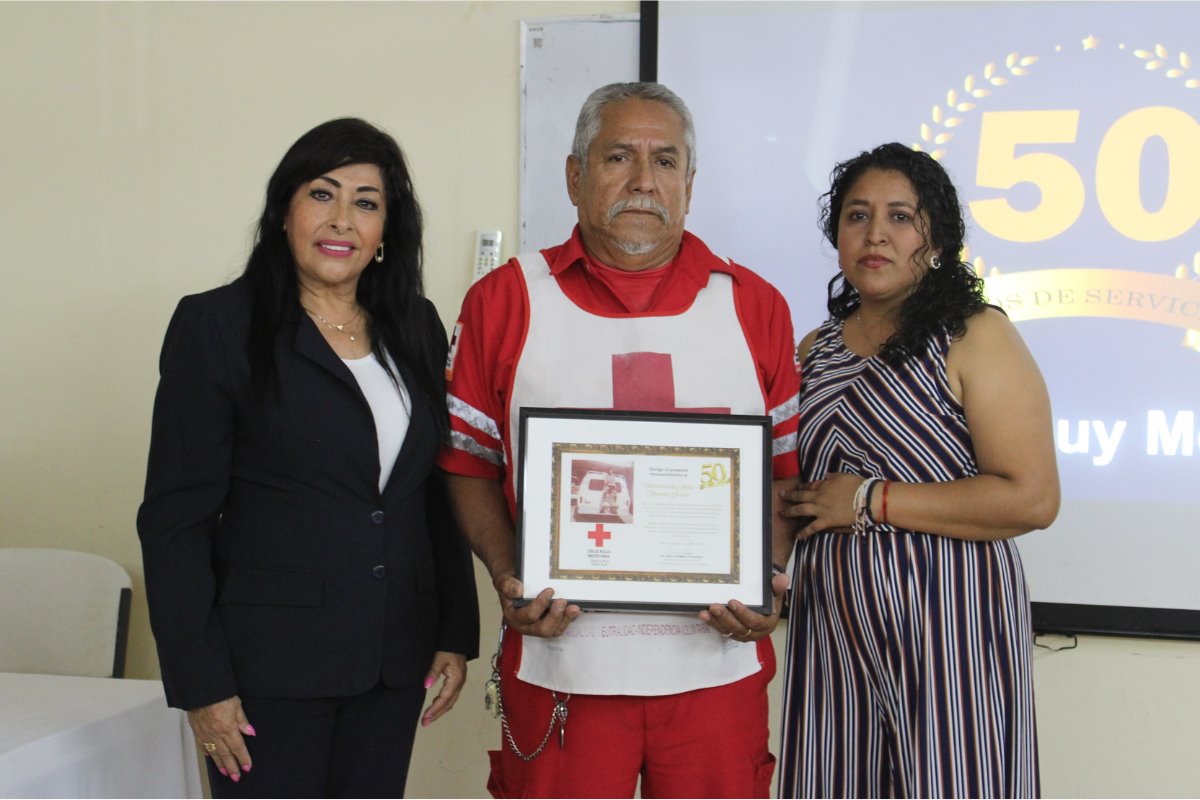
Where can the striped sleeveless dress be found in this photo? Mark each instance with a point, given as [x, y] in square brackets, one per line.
[908, 670]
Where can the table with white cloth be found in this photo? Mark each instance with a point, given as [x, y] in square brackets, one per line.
[63, 736]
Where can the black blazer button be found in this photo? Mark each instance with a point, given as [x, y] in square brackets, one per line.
[377, 517]
[380, 572]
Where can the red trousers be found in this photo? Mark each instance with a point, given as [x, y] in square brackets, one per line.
[704, 743]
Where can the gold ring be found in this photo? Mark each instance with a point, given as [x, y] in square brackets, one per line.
[209, 747]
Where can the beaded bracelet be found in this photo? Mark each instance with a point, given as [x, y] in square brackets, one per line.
[862, 509]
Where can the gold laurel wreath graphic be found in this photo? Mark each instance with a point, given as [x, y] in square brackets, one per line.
[939, 133]
[1159, 58]
[943, 119]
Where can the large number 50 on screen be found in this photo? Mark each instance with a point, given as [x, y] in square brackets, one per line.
[1117, 174]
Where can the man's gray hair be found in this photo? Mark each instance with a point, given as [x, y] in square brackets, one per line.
[587, 127]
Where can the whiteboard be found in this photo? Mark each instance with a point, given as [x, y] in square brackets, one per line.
[563, 59]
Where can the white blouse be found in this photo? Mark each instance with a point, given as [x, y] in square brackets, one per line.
[390, 405]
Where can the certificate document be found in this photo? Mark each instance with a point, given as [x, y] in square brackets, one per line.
[640, 510]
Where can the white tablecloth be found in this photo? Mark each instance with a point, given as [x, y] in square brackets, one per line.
[64, 736]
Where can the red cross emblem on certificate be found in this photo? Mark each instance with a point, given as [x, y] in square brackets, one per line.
[599, 535]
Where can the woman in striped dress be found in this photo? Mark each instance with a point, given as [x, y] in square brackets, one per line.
[925, 447]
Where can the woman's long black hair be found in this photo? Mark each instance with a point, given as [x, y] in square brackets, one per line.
[390, 292]
[944, 298]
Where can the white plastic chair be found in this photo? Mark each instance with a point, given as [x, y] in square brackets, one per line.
[62, 612]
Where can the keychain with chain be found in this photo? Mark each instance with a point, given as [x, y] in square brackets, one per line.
[491, 689]
[493, 702]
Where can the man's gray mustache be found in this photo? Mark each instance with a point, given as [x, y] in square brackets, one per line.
[640, 204]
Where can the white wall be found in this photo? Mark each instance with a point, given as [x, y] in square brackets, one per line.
[135, 147]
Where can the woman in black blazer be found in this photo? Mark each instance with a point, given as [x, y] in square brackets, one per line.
[305, 578]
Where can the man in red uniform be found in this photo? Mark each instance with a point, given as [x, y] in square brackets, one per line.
[632, 312]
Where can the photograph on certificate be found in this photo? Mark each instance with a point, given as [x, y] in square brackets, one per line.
[653, 511]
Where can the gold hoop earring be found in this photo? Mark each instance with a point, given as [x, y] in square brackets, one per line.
[379, 254]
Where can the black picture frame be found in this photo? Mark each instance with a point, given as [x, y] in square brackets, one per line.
[605, 441]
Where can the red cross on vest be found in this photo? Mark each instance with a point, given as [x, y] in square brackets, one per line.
[646, 382]
[599, 535]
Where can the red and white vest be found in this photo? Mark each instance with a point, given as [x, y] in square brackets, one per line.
[697, 360]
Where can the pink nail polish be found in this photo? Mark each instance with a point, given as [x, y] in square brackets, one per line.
[235, 778]
[429, 682]
[223, 771]
[250, 730]
[245, 767]
[425, 722]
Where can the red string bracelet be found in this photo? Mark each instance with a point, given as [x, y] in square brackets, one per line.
[883, 507]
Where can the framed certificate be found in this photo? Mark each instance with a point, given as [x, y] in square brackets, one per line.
[645, 511]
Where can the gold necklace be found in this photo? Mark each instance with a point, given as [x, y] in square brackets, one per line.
[339, 328]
